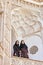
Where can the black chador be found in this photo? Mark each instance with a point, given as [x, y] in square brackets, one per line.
[24, 50]
[16, 50]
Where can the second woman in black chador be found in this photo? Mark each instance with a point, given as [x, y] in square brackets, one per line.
[24, 49]
[16, 49]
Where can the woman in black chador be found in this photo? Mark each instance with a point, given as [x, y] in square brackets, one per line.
[24, 49]
[16, 49]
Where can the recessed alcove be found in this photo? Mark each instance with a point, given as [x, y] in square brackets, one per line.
[34, 42]
[25, 25]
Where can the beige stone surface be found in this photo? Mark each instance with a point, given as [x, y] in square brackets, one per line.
[21, 61]
[11, 10]
[39, 0]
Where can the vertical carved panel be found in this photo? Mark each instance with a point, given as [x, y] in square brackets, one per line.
[1, 60]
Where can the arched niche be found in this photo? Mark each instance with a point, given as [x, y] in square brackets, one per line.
[27, 25]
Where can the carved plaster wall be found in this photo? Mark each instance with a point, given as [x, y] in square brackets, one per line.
[26, 17]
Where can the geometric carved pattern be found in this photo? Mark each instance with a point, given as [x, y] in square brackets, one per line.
[20, 26]
[25, 22]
